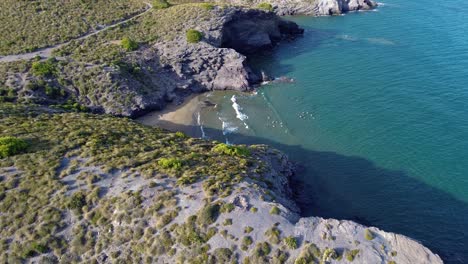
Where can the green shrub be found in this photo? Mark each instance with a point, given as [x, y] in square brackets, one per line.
[129, 44]
[10, 146]
[231, 150]
[207, 6]
[193, 36]
[368, 234]
[265, 6]
[170, 163]
[254, 209]
[248, 229]
[227, 221]
[247, 241]
[262, 249]
[44, 68]
[350, 255]
[329, 253]
[160, 4]
[180, 134]
[222, 255]
[275, 210]
[208, 214]
[227, 208]
[291, 242]
[309, 253]
[77, 200]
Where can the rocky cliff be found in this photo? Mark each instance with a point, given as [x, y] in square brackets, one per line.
[312, 7]
[99, 74]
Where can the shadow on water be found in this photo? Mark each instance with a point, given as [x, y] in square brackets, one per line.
[331, 185]
[270, 61]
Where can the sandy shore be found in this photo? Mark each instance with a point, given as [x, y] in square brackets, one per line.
[177, 117]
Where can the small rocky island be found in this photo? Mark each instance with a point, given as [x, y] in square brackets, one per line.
[79, 186]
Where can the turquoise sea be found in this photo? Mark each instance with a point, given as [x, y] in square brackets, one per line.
[377, 116]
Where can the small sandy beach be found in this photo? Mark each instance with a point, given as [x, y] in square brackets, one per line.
[176, 117]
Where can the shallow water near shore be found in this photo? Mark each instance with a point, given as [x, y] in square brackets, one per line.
[377, 115]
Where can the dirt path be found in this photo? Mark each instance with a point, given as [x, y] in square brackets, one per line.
[47, 52]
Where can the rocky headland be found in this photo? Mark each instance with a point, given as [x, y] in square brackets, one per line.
[100, 189]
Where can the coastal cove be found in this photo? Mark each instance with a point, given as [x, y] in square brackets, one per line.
[376, 116]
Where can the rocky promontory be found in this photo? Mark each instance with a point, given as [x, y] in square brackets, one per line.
[313, 7]
[101, 189]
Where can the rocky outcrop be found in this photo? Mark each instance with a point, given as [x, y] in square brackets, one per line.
[314, 7]
[217, 62]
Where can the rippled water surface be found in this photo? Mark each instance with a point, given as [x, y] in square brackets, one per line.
[377, 114]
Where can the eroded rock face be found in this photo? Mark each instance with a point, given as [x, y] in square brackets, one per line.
[312, 7]
[218, 62]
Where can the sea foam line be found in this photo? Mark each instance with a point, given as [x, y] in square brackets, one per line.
[238, 109]
[200, 125]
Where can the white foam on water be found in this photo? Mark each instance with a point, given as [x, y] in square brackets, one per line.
[381, 41]
[227, 127]
[200, 125]
[238, 109]
[347, 37]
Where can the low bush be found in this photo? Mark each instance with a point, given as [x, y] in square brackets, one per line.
[350, 255]
[129, 44]
[160, 4]
[193, 36]
[291, 242]
[170, 163]
[227, 208]
[77, 201]
[10, 146]
[248, 229]
[265, 6]
[231, 150]
[208, 214]
[275, 210]
[44, 68]
[368, 235]
[207, 6]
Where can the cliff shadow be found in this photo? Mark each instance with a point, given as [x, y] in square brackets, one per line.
[331, 185]
[272, 61]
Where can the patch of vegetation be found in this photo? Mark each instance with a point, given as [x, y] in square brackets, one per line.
[291, 242]
[262, 249]
[273, 235]
[10, 146]
[246, 242]
[44, 68]
[160, 4]
[368, 235]
[265, 6]
[193, 36]
[310, 253]
[227, 208]
[129, 44]
[227, 222]
[208, 214]
[29, 25]
[207, 6]
[231, 150]
[170, 163]
[77, 200]
[351, 255]
[248, 229]
[275, 210]
[254, 209]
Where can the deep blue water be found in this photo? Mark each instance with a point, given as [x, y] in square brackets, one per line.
[377, 116]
